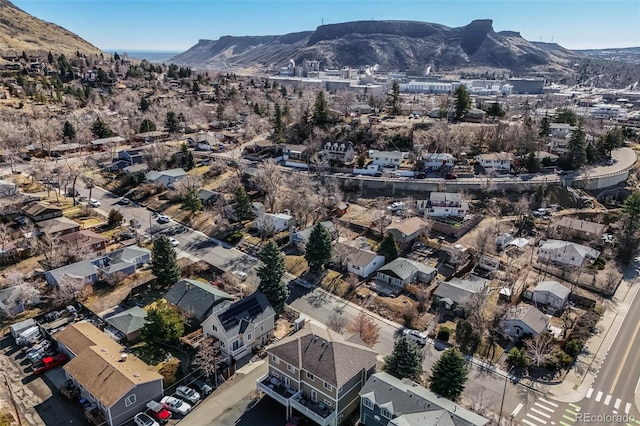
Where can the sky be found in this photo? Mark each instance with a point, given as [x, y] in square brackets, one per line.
[176, 25]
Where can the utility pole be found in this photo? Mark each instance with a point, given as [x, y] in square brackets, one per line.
[504, 391]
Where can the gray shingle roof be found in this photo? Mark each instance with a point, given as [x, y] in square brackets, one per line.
[253, 308]
[529, 315]
[554, 288]
[195, 298]
[408, 397]
[324, 354]
[129, 321]
[404, 268]
[81, 269]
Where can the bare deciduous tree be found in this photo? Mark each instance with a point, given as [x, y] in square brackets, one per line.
[480, 399]
[268, 180]
[264, 225]
[208, 358]
[337, 321]
[541, 348]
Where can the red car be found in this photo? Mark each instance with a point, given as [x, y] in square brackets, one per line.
[451, 176]
[158, 412]
[49, 362]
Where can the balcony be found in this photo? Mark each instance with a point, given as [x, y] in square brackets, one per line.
[316, 411]
[274, 387]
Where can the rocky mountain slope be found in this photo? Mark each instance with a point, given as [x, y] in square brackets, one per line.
[393, 45]
[20, 32]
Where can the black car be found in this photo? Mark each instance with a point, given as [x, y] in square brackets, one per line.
[201, 387]
[421, 175]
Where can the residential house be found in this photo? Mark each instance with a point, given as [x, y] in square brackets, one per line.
[300, 238]
[295, 152]
[58, 226]
[14, 302]
[444, 204]
[103, 142]
[195, 299]
[115, 384]
[153, 136]
[318, 374]
[551, 294]
[561, 130]
[474, 115]
[407, 231]
[338, 151]
[123, 262]
[135, 168]
[387, 158]
[241, 326]
[115, 165]
[402, 271]
[7, 189]
[85, 241]
[39, 211]
[452, 295]
[84, 271]
[133, 156]
[581, 229]
[127, 324]
[495, 162]
[566, 253]
[386, 400]
[359, 261]
[436, 160]
[166, 177]
[208, 197]
[278, 222]
[524, 320]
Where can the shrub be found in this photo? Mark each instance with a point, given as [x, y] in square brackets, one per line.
[573, 347]
[518, 357]
[233, 237]
[443, 334]
[560, 360]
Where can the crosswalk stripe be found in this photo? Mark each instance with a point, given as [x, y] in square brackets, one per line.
[564, 423]
[607, 400]
[616, 404]
[589, 392]
[627, 408]
[527, 422]
[548, 402]
[544, 407]
[517, 410]
[540, 413]
[538, 419]
[573, 413]
[571, 419]
[599, 396]
[577, 407]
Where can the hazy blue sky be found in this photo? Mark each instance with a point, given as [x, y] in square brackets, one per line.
[178, 24]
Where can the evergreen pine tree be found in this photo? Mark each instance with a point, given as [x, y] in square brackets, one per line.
[191, 201]
[242, 204]
[147, 125]
[389, 248]
[532, 164]
[318, 249]
[449, 374]
[100, 129]
[320, 109]
[463, 101]
[278, 124]
[394, 100]
[270, 274]
[164, 263]
[171, 122]
[405, 361]
[68, 131]
[577, 148]
[545, 128]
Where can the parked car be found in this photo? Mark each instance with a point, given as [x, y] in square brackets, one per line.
[174, 242]
[50, 362]
[158, 411]
[94, 203]
[188, 394]
[303, 283]
[451, 176]
[134, 223]
[125, 201]
[72, 193]
[421, 175]
[203, 388]
[175, 405]
[415, 335]
[163, 219]
[143, 419]
[397, 206]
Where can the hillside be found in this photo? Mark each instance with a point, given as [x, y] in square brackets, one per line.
[393, 45]
[20, 32]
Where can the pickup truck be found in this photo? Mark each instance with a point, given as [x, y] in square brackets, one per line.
[49, 362]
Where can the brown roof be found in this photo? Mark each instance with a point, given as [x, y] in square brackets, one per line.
[324, 354]
[581, 225]
[83, 238]
[408, 226]
[58, 224]
[38, 208]
[357, 256]
[98, 365]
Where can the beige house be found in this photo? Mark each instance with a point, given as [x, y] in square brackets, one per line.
[318, 374]
[407, 230]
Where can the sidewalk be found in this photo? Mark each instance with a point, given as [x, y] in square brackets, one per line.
[576, 383]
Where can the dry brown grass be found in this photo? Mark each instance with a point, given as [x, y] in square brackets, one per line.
[295, 265]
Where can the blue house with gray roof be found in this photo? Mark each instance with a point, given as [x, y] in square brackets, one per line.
[85, 271]
[195, 299]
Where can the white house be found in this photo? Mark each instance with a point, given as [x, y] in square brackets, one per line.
[280, 221]
[524, 320]
[167, 177]
[338, 151]
[561, 130]
[360, 261]
[436, 160]
[566, 252]
[444, 204]
[402, 271]
[386, 158]
[495, 161]
[241, 326]
[550, 293]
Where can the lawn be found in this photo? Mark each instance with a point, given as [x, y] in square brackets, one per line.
[334, 283]
[295, 265]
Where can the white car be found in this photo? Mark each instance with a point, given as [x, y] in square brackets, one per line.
[143, 419]
[188, 394]
[94, 203]
[396, 207]
[125, 201]
[174, 242]
[415, 335]
[163, 219]
[175, 405]
[240, 274]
